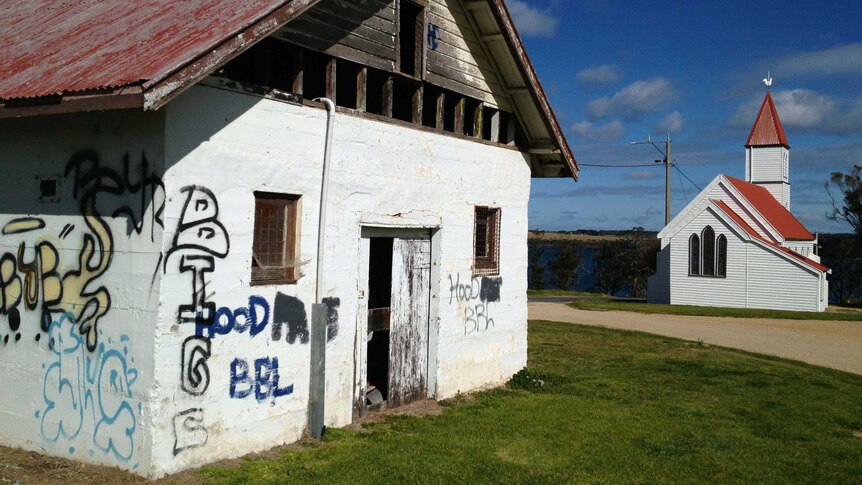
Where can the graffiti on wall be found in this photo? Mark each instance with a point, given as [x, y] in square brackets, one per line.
[199, 239]
[31, 279]
[86, 390]
[264, 383]
[475, 297]
[288, 314]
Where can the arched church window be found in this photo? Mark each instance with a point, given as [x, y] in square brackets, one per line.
[707, 238]
[721, 255]
[694, 255]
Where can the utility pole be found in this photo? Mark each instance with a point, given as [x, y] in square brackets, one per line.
[666, 161]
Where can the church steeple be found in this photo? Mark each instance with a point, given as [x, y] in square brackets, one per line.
[767, 153]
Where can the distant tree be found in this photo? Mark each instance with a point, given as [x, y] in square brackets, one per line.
[850, 186]
[840, 252]
[627, 263]
[564, 266]
[845, 257]
[537, 269]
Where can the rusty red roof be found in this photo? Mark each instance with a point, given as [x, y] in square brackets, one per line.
[751, 232]
[767, 129]
[776, 214]
[52, 47]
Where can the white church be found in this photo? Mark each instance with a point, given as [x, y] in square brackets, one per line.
[737, 243]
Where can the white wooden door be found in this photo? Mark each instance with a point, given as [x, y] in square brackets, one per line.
[408, 327]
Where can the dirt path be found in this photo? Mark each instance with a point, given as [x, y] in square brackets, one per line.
[825, 343]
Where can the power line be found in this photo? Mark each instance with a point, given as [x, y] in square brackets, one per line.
[685, 196]
[686, 176]
[615, 166]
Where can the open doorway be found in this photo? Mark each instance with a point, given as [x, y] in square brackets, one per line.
[379, 311]
[394, 367]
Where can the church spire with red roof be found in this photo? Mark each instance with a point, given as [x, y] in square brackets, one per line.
[767, 152]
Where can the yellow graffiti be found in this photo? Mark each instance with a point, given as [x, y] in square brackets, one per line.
[87, 306]
[24, 224]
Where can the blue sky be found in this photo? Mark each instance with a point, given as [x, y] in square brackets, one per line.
[617, 72]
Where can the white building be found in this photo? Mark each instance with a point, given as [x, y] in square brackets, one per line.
[163, 300]
[737, 244]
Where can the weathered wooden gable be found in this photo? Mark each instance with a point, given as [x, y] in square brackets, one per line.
[367, 33]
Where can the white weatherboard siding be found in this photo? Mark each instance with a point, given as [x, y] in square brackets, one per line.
[720, 192]
[799, 288]
[382, 174]
[770, 165]
[707, 290]
[96, 268]
[767, 164]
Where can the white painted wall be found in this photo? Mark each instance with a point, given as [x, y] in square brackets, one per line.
[757, 277]
[382, 174]
[708, 290]
[62, 398]
[770, 164]
[658, 285]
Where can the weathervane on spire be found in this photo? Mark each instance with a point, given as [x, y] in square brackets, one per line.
[768, 81]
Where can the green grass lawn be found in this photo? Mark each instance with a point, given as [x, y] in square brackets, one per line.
[616, 407]
[643, 307]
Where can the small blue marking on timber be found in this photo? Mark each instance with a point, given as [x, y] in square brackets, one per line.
[36, 414]
[71, 450]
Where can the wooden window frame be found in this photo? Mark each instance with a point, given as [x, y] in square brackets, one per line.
[707, 247]
[694, 255]
[721, 256]
[287, 272]
[486, 251]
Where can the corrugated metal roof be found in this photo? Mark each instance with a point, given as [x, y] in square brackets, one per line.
[751, 232]
[776, 214]
[767, 129]
[52, 47]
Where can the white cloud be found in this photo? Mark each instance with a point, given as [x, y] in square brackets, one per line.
[603, 75]
[633, 101]
[839, 60]
[531, 21]
[806, 110]
[611, 131]
[671, 124]
[643, 174]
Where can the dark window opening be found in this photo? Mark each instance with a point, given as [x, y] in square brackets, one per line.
[348, 83]
[48, 189]
[472, 117]
[721, 250]
[430, 98]
[410, 37]
[486, 241]
[269, 63]
[379, 303]
[694, 255]
[506, 136]
[490, 118]
[707, 238]
[314, 76]
[374, 93]
[451, 110]
[275, 236]
[403, 100]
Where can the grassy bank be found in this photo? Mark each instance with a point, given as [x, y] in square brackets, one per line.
[643, 307]
[616, 407]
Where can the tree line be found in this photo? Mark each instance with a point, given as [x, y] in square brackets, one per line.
[622, 263]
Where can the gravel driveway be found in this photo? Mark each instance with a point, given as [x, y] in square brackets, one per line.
[825, 343]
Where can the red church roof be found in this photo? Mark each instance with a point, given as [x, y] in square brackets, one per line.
[751, 232]
[767, 129]
[776, 214]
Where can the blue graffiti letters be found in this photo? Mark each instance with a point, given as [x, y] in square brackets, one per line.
[265, 382]
[252, 319]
